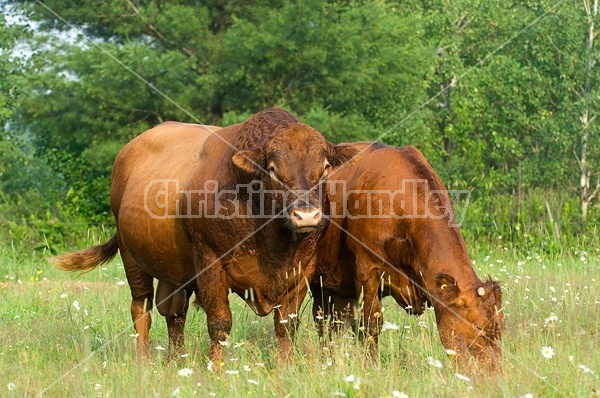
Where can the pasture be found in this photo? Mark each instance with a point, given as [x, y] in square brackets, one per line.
[62, 335]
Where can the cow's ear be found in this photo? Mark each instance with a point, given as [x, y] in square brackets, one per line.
[447, 289]
[343, 153]
[249, 160]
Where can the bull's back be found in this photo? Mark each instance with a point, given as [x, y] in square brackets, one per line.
[148, 178]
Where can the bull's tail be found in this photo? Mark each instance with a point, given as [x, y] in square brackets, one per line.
[87, 259]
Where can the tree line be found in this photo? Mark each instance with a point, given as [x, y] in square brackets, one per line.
[501, 97]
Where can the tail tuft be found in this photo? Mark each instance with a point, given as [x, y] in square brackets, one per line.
[87, 259]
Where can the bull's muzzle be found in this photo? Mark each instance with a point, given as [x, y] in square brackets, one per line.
[306, 219]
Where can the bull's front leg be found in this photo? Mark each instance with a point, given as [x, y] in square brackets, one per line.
[286, 320]
[212, 295]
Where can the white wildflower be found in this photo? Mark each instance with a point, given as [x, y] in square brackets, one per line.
[256, 383]
[399, 394]
[462, 377]
[551, 319]
[232, 372]
[389, 326]
[435, 363]
[185, 372]
[76, 305]
[547, 352]
[159, 348]
[423, 324]
[11, 386]
[451, 353]
[64, 296]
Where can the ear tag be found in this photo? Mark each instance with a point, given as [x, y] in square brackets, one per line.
[443, 286]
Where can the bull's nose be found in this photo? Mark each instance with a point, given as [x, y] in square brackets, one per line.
[310, 218]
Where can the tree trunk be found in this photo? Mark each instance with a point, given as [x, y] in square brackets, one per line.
[586, 120]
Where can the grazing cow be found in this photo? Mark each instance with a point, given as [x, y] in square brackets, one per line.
[210, 211]
[393, 233]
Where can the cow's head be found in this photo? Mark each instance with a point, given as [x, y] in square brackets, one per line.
[470, 320]
[293, 164]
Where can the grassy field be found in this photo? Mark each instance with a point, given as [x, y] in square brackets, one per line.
[64, 336]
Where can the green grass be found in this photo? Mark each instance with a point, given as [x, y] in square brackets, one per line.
[49, 347]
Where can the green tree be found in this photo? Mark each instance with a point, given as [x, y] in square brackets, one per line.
[343, 67]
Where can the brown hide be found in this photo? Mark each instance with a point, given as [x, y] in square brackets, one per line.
[407, 246]
[187, 202]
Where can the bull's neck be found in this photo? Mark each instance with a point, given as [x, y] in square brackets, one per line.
[276, 243]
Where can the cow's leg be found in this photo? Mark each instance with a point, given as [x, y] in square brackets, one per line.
[173, 303]
[366, 287]
[345, 314]
[142, 293]
[321, 307]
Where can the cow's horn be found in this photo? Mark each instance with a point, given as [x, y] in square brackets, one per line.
[481, 292]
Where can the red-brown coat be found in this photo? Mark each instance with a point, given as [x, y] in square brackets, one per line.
[186, 200]
[417, 255]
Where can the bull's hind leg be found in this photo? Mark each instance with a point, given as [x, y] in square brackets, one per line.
[142, 292]
[173, 303]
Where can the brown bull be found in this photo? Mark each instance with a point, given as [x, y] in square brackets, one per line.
[393, 233]
[210, 211]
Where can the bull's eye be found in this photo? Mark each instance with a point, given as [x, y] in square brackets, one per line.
[326, 171]
[272, 173]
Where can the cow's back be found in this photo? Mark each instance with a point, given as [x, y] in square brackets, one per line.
[361, 230]
[147, 175]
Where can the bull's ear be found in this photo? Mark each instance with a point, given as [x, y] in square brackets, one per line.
[344, 153]
[249, 160]
[447, 289]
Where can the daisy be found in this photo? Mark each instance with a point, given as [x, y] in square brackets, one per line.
[185, 372]
[434, 362]
[389, 326]
[547, 352]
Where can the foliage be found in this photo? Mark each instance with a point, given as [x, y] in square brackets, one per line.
[489, 91]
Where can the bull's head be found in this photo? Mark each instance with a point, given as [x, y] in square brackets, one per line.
[293, 164]
[470, 320]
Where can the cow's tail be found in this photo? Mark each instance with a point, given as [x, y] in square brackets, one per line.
[87, 259]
